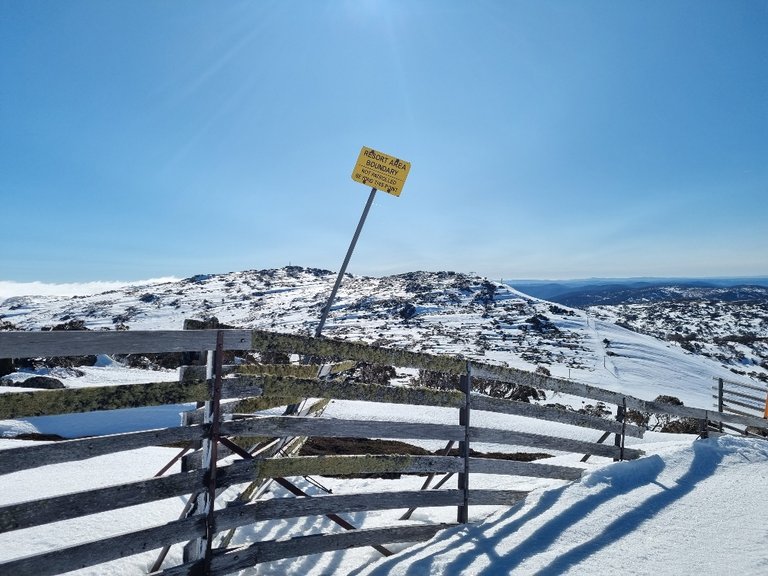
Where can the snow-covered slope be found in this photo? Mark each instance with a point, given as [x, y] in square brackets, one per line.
[660, 514]
[734, 332]
[690, 508]
[442, 312]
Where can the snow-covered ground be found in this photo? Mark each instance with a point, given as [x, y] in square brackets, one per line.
[688, 506]
[442, 312]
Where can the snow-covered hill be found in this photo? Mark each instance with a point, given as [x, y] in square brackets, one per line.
[438, 312]
[734, 333]
[659, 514]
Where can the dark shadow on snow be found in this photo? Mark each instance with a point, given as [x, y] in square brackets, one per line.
[616, 481]
[705, 462]
[423, 566]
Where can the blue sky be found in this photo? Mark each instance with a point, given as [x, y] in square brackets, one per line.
[548, 139]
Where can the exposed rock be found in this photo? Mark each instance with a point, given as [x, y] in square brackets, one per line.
[408, 311]
[70, 325]
[44, 382]
[54, 362]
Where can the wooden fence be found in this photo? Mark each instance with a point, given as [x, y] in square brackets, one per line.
[228, 424]
[742, 399]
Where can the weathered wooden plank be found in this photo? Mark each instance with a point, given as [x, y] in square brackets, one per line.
[21, 344]
[26, 457]
[758, 408]
[73, 505]
[197, 373]
[696, 413]
[314, 544]
[540, 381]
[563, 386]
[291, 370]
[496, 497]
[269, 551]
[758, 399]
[328, 348]
[100, 551]
[513, 438]
[245, 406]
[729, 404]
[731, 409]
[341, 390]
[249, 470]
[303, 371]
[315, 407]
[333, 503]
[553, 415]
[744, 432]
[335, 518]
[25, 344]
[735, 411]
[279, 426]
[76, 504]
[124, 545]
[240, 387]
[763, 389]
[77, 343]
[194, 460]
[514, 468]
[69, 400]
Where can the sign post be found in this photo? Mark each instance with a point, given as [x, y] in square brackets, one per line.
[382, 172]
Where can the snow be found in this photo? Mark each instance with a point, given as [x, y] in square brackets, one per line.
[9, 289]
[105, 373]
[56, 479]
[689, 505]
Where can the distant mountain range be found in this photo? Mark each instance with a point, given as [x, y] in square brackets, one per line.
[601, 291]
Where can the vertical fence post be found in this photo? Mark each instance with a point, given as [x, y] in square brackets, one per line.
[704, 427]
[194, 358]
[201, 548]
[621, 413]
[465, 384]
[765, 414]
[720, 401]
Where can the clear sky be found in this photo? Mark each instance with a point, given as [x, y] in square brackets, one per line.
[548, 139]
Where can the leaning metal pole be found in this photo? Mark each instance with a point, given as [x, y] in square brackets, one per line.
[332, 297]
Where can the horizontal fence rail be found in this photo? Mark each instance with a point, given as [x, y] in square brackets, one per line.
[563, 386]
[247, 447]
[63, 343]
[106, 549]
[742, 399]
[247, 556]
[16, 459]
[79, 343]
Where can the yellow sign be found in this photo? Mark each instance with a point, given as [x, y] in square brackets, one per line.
[381, 171]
